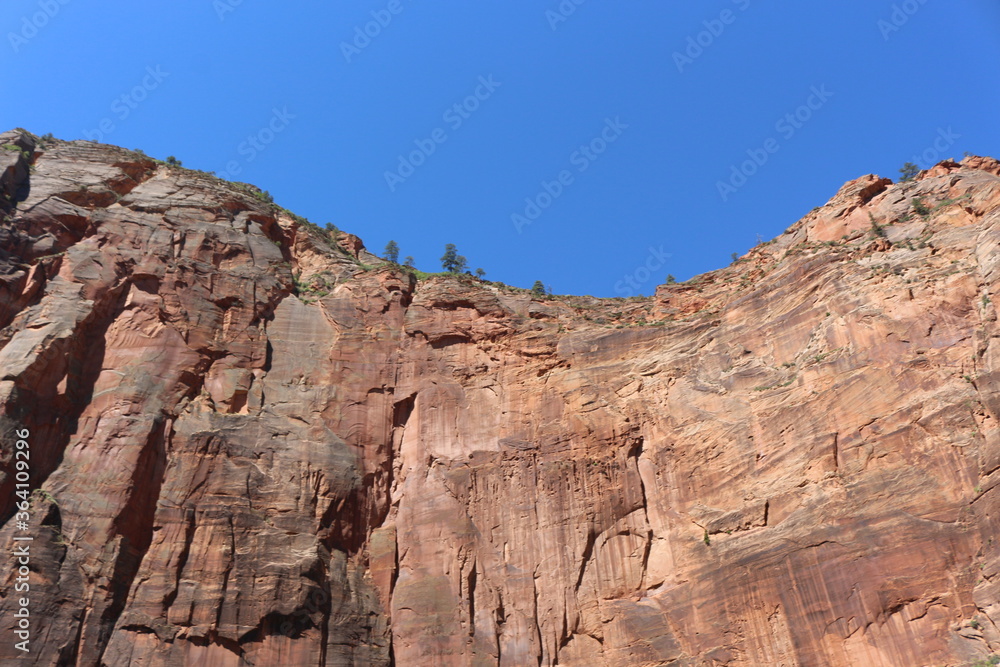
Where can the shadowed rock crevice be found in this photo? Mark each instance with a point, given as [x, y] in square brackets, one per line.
[135, 525]
[53, 389]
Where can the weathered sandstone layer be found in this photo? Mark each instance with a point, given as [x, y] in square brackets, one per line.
[257, 445]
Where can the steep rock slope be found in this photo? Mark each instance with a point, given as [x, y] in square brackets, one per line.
[256, 445]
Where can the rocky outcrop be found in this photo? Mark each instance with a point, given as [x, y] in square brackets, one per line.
[256, 444]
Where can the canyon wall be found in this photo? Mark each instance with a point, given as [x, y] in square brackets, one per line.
[257, 444]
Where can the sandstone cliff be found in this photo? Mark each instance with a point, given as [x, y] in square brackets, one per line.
[256, 445]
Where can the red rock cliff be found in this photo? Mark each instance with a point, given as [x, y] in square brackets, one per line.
[258, 446]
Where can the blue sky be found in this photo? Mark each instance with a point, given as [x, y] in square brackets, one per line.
[616, 120]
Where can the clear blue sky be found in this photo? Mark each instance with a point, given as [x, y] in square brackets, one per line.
[346, 114]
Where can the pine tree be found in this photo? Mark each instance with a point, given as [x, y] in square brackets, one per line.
[391, 252]
[908, 172]
[408, 262]
[538, 288]
[670, 279]
[451, 261]
[480, 274]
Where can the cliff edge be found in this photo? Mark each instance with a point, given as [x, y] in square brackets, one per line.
[257, 444]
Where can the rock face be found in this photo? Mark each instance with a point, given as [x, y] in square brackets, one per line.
[255, 445]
